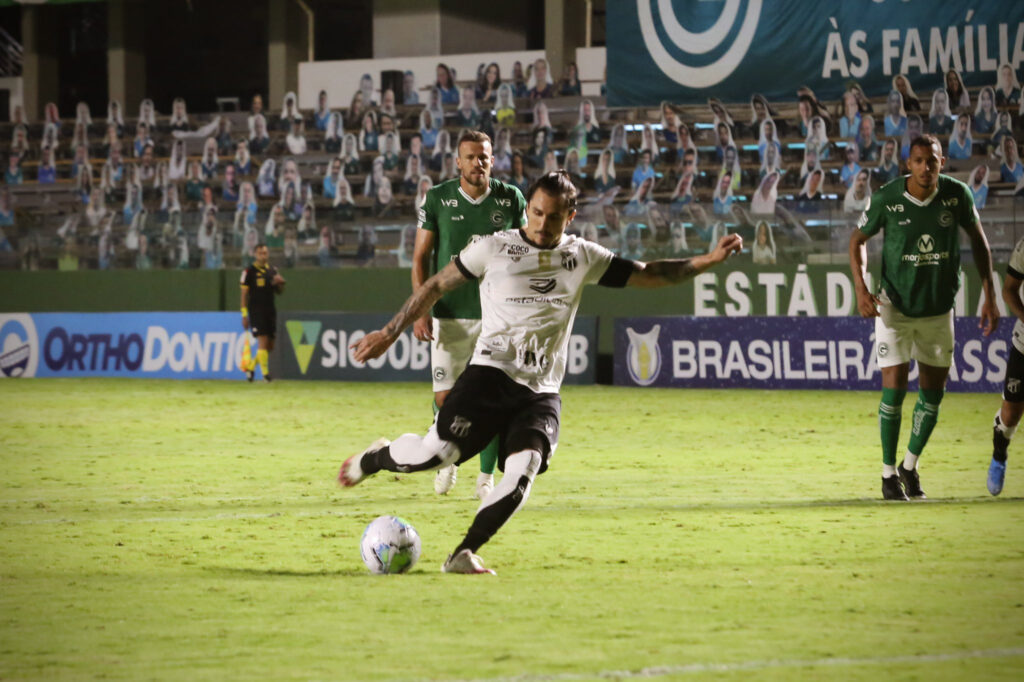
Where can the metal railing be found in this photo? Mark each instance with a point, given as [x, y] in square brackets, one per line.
[12, 55]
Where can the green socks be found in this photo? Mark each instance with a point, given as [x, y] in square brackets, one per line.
[890, 415]
[489, 457]
[926, 413]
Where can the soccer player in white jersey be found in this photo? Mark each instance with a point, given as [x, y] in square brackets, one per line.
[531, 282]
[1012, 409]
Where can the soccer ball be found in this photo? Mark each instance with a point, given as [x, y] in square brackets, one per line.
[389, 545]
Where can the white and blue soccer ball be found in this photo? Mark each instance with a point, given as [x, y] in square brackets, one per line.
[389, 545]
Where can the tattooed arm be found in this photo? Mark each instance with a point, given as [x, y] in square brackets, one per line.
[662, 273]
[374, 344]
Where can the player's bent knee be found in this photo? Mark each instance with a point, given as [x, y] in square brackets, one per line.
[445, 450]
[524, 463]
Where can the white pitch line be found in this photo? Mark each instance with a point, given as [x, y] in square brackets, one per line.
[742, 666]
[89, 517]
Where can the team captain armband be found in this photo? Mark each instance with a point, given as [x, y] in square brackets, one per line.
[618, 273]
[462, 268]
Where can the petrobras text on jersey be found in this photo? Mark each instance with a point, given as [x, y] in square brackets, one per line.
[785, 352]
[171, 345]
[318, 346]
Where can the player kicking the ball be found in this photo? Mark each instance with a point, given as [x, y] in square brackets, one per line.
[531, 281]
[920, 216]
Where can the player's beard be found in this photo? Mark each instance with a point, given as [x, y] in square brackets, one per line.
[476, 180]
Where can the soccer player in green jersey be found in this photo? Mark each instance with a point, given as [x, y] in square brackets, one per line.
[454, 213]
[918, 215]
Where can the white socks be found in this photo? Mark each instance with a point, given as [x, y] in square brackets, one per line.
[517, 465]
[910, 461]
[1007, 431]
[410, 450]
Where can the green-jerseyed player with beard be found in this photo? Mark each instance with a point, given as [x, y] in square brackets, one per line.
[919, 215]
[453, 213]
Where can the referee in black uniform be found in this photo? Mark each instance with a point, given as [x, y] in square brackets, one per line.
[260, 283]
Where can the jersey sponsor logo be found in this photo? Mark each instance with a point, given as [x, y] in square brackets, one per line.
[497, 218]
[905, 222]
[643, 357]
[421, 215]
[19, 346]
[894, 208]
[952, 201]
[945, 219]
[503, 202]
[533, 359]
[542, 285]
[569, 261]
[450, 202]
[549, 300]
[926, 253]
[304, 335]
[460, 427]
[516, 251]
[457, 217]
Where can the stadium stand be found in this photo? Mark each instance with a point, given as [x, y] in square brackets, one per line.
[68, 202]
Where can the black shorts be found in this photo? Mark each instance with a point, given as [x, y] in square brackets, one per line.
[485, 403]
[263, 322]
[1013, 384]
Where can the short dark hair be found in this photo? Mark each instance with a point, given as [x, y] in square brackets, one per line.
[926, 140]
[473, 136]
[259, 246]
[557, 184]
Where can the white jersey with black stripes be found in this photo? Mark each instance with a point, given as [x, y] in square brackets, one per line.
[528, 299]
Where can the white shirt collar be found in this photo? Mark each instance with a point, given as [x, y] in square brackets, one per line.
[917, 201]
[475, 202]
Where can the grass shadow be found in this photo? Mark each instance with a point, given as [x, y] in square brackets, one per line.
[231, 571]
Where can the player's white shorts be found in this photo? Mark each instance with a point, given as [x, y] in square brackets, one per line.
[899, 339]
[451, 350]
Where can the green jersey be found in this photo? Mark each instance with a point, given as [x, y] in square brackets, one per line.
[921, 243]
[455, 219]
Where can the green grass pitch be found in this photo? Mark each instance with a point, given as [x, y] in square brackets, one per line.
[160, 530]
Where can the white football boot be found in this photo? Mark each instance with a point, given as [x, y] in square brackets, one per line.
[351, 473]
[467, 563]
[484, 485]
[445, 479]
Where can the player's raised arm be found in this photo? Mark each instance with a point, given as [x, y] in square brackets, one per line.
[660, 273]
[983, 261]
[375, 343]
